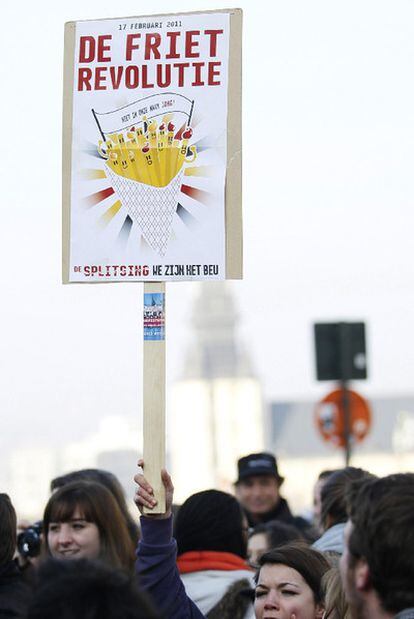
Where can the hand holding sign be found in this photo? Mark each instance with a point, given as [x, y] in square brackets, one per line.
[144, 495]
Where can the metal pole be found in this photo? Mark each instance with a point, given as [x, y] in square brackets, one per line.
[346, 403]
[344, 362]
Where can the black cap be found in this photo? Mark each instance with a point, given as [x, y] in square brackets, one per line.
[258, 464]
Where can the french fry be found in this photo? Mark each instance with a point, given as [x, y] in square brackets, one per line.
[152, 177]
[187, 134]
[125, 162]
[152, 139]
[169, 172]
[162, 154]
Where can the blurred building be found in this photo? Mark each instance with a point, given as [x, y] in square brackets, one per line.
[294, 438]
[216, 407]
[28, 480]
[114, 447]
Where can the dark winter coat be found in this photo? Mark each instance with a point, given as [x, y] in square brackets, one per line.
[14, 592]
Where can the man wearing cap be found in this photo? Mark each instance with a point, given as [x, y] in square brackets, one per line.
[257, 490]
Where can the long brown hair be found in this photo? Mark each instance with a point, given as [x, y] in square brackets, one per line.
[96, 504]
[7, 528]
[110, 481]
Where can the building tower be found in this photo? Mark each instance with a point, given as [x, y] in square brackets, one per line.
[217, 409]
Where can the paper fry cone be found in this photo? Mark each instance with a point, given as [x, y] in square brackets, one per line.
[151, 208]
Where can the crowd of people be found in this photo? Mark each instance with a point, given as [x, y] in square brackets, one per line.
[218, 555]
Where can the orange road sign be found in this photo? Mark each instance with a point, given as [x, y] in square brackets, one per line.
[330, 417]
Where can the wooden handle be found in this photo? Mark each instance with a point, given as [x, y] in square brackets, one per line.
[154, 390]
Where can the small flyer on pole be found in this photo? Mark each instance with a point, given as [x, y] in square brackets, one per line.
[152, 149]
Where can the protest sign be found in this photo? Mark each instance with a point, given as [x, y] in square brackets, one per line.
[152, 149]
[152, 168]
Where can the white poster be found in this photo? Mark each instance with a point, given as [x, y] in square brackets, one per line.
[148, 149]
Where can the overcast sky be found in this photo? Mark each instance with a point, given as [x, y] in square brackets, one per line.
[328, 141]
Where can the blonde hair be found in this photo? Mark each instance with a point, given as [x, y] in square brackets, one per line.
[336, 606]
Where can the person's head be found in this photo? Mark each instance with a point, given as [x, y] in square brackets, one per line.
[82, 520]
[333, 493]
[289, 583]
[87, 590]
[336, 606]
[377, 567]
[258, 483]
[7, 529]
[211, 520]
[319, 484]
[107, 479]
[269, 535]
